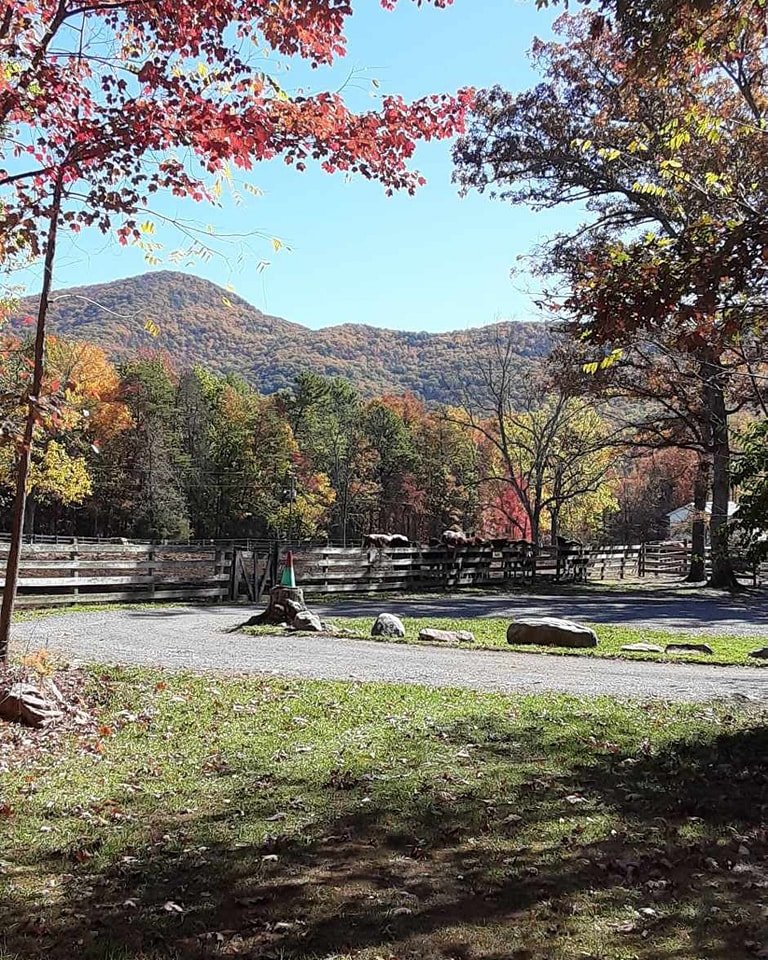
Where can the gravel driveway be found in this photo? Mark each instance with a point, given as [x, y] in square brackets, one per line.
[196, 638]
[704, 612]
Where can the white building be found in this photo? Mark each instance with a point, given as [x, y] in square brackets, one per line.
[683, 516]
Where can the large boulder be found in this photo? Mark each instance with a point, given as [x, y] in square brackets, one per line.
[550, 632]
[388, 625]
[25, 703]
[446, 636]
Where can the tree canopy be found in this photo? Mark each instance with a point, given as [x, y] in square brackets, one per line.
[670, 171]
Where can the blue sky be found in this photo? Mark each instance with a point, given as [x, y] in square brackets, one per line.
[430, 262]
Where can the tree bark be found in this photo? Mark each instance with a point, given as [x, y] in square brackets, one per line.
[284, 603]
[25, 454]
[722, 574]
[697, 571]
[29, 514]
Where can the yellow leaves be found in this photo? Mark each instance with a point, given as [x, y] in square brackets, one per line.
[649, 189]
[718, 183]
[276, 244]
[608, 361]
[226, 301]
[709, 127]
[58, 476]
[672, 169]
[151, 328]
[679, 139]
[202, 71]
[148, 247]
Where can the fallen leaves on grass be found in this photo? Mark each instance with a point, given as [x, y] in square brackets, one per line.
[23, 746]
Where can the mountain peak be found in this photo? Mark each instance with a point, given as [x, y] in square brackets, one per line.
[201, 322]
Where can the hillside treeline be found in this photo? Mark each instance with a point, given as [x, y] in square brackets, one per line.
[144, 450]
[198, 322]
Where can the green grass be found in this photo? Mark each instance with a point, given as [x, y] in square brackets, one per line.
[491, 633]
[25, 614]
[269, 818]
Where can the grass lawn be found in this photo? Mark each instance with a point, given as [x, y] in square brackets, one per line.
[491, 633]
[215, 817]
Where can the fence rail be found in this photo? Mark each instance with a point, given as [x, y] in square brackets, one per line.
[51, 574]
[88, 572]
[370, 570]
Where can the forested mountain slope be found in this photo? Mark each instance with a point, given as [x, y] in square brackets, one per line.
[200, 322]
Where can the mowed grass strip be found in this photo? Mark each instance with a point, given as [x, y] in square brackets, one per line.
[269, 818]
[491, 633]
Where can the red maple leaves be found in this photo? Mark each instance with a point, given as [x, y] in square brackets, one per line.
[130, 98]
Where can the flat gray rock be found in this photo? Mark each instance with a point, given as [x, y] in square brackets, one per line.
[643, 648]
[388, 625]
[761, 654]
[446, 636]
[688, 648]
[550, 632]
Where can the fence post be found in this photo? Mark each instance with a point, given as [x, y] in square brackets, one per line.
[233, 584]
[74, 556]
[216, 565]
[151, 571]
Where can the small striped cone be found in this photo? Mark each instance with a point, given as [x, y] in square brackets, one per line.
[288, 578]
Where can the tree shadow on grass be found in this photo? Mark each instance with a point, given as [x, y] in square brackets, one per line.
[649, 855]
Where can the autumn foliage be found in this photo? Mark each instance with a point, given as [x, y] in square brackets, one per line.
[111, 98]
[142, 449]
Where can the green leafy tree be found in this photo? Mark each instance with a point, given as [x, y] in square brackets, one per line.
[141, 477]
[751, 475]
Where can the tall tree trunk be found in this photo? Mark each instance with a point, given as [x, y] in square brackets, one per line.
[697, 569]
[722, 574]
[29, 514]
[25, 454]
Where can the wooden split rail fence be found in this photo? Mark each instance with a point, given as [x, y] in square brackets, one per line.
[370, 570]
[77, 572]
[657, 560]
[53, 574]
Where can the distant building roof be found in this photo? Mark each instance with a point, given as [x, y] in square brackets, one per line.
[685, 514]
